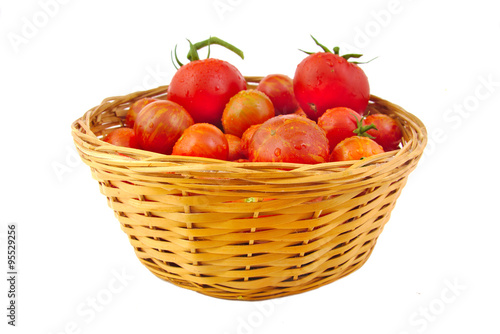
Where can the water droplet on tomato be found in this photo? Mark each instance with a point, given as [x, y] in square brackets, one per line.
[300, 146]
[277, 152]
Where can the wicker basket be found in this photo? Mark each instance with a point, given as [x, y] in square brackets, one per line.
[248, 231]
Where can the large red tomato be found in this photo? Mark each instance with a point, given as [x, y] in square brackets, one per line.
[202, 140]
[279, 88]
[339, 123]
[122, 137]
[325, 80]
[289, 138]
[160, 124]
[246, 108]
[204, 87]
[387, 132]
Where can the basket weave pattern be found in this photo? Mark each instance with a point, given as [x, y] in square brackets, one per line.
[247, 231]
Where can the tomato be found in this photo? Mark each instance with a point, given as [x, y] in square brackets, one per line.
[279, 88]
[246, 108]
[204, 87]
[289, 138]
[122, 137]
[355, 148]
[234, 146]
[325, 80]
[247, 136]
[202, 140]
[300, 112]
[135, 108]
[387, 133]
[338, 123]
[160, 124]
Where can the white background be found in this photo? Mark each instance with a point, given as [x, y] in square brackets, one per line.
[434, 269]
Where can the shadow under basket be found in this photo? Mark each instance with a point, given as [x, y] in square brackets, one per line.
[246, 231]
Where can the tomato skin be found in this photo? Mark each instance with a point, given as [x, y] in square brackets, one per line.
[202, 140]
[244, 109]
[388, 133]
[247, 136]
[355, 148]
[339, 124]
[160, 124]
[234, 146]
[289, 138]
[300, 112]
[135, 108]
[326, 80]
[124, 137]
[204, 87]
[279, 88]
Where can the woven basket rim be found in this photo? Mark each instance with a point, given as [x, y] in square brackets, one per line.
[82, 132]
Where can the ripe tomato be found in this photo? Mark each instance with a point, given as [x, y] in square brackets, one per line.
[289, 138]
[387, 133]
[279, 88]
[325, 80]
[339, 124]
[204, 87]
[355, 148]
[160, 124]
[247, 136]
[300, 112]
[122, 137]
[202, 140]
[135, 108]
[234, 146]
[244, 109]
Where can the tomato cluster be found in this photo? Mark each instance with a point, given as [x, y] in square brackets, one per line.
[210, 111]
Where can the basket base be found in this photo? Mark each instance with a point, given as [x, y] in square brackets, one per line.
[286, 288]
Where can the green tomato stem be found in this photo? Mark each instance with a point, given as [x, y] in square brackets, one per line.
[212, 40]
[361, 130]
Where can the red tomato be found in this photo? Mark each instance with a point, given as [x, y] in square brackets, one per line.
[289, 138]
[202, 140]
[279, 88]
[122, 137]
[388, 133]
[160, 124]
[244, 109]
[247, 136]
[135, 108]
[204, 87]
[355, 148]
[235, 150]
[325, 80]
[338, 123]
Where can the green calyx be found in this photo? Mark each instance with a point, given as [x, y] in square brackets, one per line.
[193, 50]
[336, 51]
[361, 129]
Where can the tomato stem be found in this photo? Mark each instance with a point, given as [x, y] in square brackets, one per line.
[361, 130]
[176, 58]
[192, 54]
[336, 50]
[321, 45]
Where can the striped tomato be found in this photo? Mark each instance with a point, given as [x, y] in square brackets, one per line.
[160, 124]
